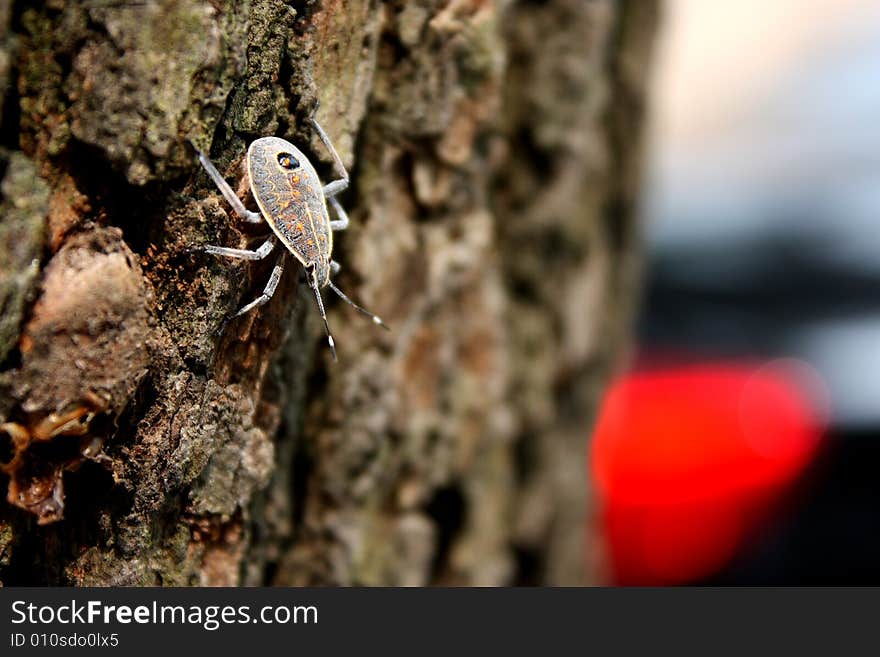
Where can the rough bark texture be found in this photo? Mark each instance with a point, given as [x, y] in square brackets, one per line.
[494, 148]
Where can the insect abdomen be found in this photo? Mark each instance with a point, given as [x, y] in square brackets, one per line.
[291, 198]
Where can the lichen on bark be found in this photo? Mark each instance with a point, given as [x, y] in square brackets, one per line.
[494, 156]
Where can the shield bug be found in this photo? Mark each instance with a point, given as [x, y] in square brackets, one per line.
[293, 202]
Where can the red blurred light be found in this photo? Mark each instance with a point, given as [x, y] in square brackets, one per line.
[687, 460]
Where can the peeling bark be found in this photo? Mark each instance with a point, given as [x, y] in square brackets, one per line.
[494, 148]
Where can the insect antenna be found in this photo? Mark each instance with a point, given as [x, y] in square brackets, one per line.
[317, 292]
[366, 313]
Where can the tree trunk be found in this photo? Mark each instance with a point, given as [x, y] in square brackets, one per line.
[494, 151]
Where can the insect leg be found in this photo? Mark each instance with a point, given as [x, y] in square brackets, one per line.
[243, 213]
[243, 254]
[334, 268]
[268, 291]
[331, 189]
[342, 222]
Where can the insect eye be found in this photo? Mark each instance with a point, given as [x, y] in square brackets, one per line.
[287, 161]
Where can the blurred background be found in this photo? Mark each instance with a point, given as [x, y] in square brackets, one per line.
[742, 444]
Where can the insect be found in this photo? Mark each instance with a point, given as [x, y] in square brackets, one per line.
[293, 202]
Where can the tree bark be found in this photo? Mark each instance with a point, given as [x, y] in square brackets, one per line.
[494, 150]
